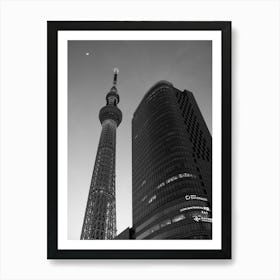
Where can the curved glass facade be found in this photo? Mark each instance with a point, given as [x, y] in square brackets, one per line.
[171, 167]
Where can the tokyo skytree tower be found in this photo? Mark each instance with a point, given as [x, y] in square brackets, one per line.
[100, 215]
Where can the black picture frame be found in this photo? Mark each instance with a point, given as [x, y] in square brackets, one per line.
[52, 88]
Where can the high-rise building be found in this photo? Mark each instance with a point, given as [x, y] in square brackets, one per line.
[100, 215]
[171, 167]
[128, 233]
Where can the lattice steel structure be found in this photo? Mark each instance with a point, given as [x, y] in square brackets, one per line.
[100, 214]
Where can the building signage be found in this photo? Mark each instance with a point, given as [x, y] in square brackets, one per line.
[193, 196]
[202, 219]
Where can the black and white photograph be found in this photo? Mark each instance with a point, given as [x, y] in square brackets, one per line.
[157, 135]
[139, 140]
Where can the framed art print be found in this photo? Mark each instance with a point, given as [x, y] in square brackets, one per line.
[139, 140]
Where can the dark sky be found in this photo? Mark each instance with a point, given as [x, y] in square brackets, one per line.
[186, 64]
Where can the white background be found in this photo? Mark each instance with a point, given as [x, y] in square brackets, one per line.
[255, 102]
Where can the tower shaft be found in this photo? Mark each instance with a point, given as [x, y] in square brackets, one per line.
[100, 216]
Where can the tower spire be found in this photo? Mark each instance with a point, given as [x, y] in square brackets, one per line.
[116, 72]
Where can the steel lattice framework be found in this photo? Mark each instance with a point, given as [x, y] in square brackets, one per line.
[100, 214]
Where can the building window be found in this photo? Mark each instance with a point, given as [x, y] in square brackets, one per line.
[143, 183]
[165, 223]
[144, 198]
[152, 199]
[176, 177]
[178, 218]
[160, 185]
[155, 228]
